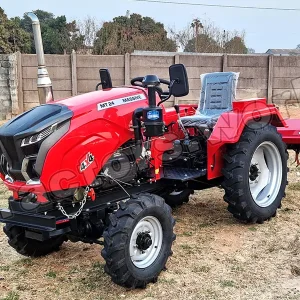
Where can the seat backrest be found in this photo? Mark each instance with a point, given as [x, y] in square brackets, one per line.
[218, 92]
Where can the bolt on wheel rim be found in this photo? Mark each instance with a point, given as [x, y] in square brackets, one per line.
[145, 242]
[265, 174]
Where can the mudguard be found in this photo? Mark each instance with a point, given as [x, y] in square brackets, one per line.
[231, 125]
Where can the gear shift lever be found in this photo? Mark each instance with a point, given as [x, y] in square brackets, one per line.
[186, 135]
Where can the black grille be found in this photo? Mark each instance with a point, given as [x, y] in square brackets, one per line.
[3, 164]
[10, 152]
[29, 124]
[12, 157]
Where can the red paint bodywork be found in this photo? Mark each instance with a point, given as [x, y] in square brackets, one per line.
[230, 127]
[103, 132]
[91, 131]
[291, 133]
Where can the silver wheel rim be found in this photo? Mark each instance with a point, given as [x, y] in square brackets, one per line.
[265, 174]
[148, 227]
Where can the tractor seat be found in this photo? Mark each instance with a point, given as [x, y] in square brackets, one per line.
[217, 93]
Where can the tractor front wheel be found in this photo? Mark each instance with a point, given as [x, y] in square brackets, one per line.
[255, 174]
[29, 247]
[138, 240]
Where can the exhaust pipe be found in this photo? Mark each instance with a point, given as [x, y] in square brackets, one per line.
[44, 83]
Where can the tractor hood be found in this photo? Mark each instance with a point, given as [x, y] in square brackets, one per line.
[43, 116]
[32, 134]
[101, 100]
[35, 120]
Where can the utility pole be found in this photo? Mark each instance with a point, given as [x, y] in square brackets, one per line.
[224, 38]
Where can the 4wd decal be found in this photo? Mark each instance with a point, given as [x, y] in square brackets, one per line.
[87, 162]
[120, 101]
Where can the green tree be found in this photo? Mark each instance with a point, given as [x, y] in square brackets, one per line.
[12, 37]
[205, 37]
[251, 51]
[132, 32]
[236, 45]
[205, 44]
[58, 35]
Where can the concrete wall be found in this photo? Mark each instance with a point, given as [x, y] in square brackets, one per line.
[286, 79]
[59, 68]
[274, 77]
[87, 69]
[8, 85]
[254, 73]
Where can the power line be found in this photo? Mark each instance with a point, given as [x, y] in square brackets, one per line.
[219, 5]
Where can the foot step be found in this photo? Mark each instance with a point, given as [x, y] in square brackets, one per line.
[183, 174]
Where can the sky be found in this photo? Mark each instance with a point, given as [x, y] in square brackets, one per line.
[264, 29]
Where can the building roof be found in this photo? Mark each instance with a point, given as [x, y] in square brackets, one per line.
[284, 51]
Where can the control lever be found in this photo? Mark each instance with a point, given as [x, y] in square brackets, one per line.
[186, 135]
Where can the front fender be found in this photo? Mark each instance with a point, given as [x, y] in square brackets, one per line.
[97, 140]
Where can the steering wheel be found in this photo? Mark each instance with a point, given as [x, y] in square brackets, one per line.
[137, 81]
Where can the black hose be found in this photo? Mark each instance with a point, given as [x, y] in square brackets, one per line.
[137, 126]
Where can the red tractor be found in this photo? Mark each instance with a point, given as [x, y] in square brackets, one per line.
[106, 166]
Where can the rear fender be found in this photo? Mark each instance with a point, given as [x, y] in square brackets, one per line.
[231, 125]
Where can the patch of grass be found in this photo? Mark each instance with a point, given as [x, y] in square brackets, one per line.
[287, 210]
[51, 274]
[97, 266]
[295, 186]
[21, 287]
[4, 268]
[149, 295]
[28, 262]
[187, 248]
[237, 268]
[252, 228]
[204, 225]
[202, 269]
[178, 220]
[187, 233]
[74, 270]
[94, 276]
[12, 296]
[227, 283]
[22, 271]
[167, 281]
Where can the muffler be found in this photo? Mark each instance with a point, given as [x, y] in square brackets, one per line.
[44, 83]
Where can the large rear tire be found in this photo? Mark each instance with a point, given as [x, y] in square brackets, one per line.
[138, 241]
[255, 174]
[29, 247]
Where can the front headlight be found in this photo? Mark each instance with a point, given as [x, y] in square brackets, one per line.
[39, 136]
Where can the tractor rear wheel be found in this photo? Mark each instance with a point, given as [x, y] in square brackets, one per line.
[29, 247]
[255, 174]
[138, 240]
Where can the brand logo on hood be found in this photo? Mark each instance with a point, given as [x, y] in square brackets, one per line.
[120, 101]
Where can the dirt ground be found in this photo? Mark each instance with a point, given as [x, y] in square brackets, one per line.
[215, 257]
